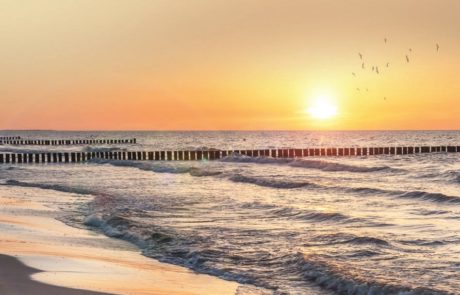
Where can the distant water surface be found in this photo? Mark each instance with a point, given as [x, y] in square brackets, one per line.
[350, 225]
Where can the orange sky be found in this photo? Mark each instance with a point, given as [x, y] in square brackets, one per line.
[215, 64]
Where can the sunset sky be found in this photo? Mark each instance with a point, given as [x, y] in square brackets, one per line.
[215, 64]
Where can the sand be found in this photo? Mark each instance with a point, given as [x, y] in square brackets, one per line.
[44, 253]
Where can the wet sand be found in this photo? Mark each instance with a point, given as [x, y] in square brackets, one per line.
[44, 253]
[15, 280]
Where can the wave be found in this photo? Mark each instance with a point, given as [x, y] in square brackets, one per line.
[309, 164]
[282, 184]
[434, 197]
[343, 281]
[337, 167]
[271, 182]
[161, 167]
[421, 195]
[346, 239]
[146, 166]
[256, 267]
[55, 187]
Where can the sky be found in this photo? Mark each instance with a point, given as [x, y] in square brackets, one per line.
[229, 65]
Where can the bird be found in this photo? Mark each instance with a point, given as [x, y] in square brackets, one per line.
[360, 55]
[362, 65]
[437, 47]
[377, 70]
[373, 68]
[388, 64]
[357, 89]
[353, 73]
[410, 49]
[407, 58]
[385, 98]
[385, 39]
[367, 89]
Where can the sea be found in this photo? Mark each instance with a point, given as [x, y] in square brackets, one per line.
[371, 225]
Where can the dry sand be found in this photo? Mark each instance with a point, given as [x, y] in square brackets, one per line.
[52, 253]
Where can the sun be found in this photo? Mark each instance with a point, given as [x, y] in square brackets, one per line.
[322, 107]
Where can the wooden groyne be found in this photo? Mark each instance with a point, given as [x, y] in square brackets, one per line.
[10, 138]
[200, 155]
[66, 141]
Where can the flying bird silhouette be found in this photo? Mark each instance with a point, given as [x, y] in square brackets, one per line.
[385, 39]
[388, 64]
[410, 49]
[377, 70]
[360, 56]
[437, 47]
[385, 98]
[362, 65]
[407, 58]
[357, 89]
[373, 68]
[354, 75]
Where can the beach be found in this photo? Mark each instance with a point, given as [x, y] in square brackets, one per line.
[247, 225]
[41, 255]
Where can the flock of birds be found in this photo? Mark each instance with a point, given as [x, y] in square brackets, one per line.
[376, 68]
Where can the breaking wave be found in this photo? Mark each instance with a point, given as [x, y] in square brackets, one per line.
[310, 164]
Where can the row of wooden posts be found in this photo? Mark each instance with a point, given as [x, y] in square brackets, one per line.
[75, 157]
[66, 141]
[10, 137]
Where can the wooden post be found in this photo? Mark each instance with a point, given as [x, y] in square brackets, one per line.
[370, 151]
[199, 155]
[212, 155]
[169, 155]
[316, 152]
[179, 156]
[217, 155]
[298, 153]
[340, 152]
[359, 151]
[323, 152]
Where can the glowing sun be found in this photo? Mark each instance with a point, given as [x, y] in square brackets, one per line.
[322, 107]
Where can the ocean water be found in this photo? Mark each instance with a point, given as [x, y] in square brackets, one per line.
[350, 225]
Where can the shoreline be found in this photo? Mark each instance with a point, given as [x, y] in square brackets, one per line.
[15, 279]
[50, 256]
